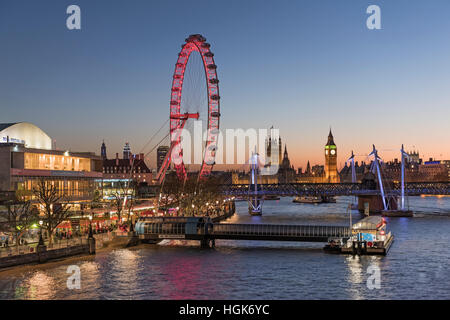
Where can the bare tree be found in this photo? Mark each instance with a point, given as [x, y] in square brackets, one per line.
[55, 210]
[18, 219]
[129, 205]
[119, 198]
[172, 192]
[192, 196]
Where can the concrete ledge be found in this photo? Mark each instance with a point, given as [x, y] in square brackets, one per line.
[43, 255]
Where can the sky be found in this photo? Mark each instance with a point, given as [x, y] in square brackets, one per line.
[301, 66]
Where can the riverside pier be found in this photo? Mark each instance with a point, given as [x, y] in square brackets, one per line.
[367, 236]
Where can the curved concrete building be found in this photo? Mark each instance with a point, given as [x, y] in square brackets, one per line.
[25, 133]
[27, 156]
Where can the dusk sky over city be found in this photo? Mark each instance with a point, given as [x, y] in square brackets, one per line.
[301, 66]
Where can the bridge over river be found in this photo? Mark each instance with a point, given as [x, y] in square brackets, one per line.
[334, 189]
[197, 229]
[155, 229]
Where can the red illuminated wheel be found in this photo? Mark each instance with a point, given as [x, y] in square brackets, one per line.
[195, 43]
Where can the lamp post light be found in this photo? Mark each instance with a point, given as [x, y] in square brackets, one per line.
[90, 227]
[41, 240]
[131, 222]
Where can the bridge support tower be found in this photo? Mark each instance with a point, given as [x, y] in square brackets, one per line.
[254, 199]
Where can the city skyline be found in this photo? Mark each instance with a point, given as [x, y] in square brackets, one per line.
[111, 79]
[151, 158]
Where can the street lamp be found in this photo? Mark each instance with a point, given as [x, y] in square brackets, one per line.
[41, 240]
[131, 222]
[90, 227]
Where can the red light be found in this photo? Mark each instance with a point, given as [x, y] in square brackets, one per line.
[382, 232]
[177, 120]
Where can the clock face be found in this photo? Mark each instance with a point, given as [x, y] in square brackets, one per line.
[326, 151]
[333, 152]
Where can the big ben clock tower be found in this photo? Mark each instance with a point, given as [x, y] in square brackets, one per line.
[331, 174]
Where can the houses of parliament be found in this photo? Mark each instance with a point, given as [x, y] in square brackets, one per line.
[327, 173]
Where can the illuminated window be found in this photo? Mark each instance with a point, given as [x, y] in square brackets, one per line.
[37, 161]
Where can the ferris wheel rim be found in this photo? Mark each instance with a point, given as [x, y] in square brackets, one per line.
[196, 43]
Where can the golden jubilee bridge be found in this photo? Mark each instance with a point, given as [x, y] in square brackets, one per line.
[387, 191]
[334, 189]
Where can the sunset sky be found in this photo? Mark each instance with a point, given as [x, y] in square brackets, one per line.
[301, 66]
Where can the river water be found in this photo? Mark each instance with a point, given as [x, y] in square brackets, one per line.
[416, 267]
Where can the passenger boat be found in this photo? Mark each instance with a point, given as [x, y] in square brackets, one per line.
[307, 199]
[271, 197]
[328, 200]
[369, 236]
[397, 213]
[314, 199]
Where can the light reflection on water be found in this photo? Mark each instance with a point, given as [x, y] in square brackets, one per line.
[415, 268]
[40, 286]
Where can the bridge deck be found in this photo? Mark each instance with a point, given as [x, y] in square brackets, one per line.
[201, 231]
[334, 189]
[278, 232]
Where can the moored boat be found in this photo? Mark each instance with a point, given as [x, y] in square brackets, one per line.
[271, 197]
[314, 199]
[307, 199]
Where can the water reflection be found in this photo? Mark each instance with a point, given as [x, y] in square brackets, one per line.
[182, 276]
[360, 269]
[356, 277]
[39, 286]
[122, 277]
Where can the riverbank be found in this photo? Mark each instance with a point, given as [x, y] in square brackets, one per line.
[112, 242]
[25, 268]
[59, 250]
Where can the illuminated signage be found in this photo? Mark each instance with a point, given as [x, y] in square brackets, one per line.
[12, 140]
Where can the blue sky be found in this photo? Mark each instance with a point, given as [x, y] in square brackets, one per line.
[301, 66]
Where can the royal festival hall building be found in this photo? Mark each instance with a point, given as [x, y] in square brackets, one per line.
[27, 156]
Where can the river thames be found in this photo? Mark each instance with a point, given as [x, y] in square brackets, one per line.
[416, 266]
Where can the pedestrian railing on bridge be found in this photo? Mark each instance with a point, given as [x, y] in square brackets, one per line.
[280, 230]
[333, 189]
[198, 230]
